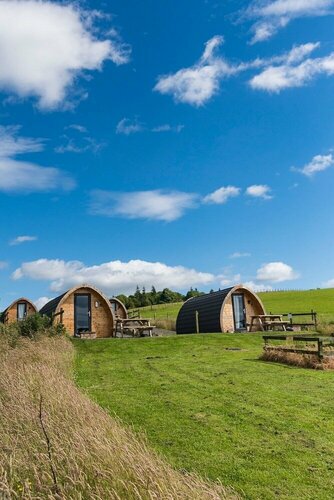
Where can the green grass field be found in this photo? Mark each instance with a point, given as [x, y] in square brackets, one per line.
[266, 429]
[321, 301]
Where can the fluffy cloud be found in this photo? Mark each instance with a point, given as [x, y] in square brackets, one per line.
[258, 287]
[276, 272]
[22, 239]
[272, 15]
[45, 46]
[222, 195]
[197, 84]
[112, 277]
[293, 73]
[20, 176]
[317, 164]
[41, 301]
[329, 283]
[158, 205]
[259, 191]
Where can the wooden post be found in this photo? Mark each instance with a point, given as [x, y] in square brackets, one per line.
[320, 350]
[197, 321]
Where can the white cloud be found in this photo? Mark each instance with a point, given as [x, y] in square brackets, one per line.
[290, 75]
[12, 145]
[158, 204]
[45, 47]
[318, 163]
[230, 280]
[127, 127]
[78, 128]
[259, 191]
[20, 176]
[276, 272]
[71, 145]
[272, 15]
[41, 301]
[22, 239]
[168, 128]
[258, 287]
[222, 195]
[112, 277]
[329, 283]
[239, 255]
[197, 84]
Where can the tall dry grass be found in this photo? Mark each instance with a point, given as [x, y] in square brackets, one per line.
[296, 359]
[56, 443]
[165, 324]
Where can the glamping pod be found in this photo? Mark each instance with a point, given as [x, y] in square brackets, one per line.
[84, 311]
[118, 308]
[228, 310]
[18, 310]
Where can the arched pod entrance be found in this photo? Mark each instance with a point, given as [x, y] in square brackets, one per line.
[227, 310]
[84, 311]
[18, 310]
[118, 308]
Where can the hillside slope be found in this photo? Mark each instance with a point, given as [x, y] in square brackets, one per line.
[320, 300]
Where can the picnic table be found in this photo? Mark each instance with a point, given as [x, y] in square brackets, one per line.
[267, 322]
[133, 326]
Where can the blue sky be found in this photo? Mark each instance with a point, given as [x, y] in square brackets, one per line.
[168, 144]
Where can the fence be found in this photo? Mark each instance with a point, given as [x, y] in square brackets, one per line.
[316, 346]
[312, 314]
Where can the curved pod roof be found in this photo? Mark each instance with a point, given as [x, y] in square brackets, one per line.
[102, 319]
[212, 310]
[10, 314]
[118, 307]
[22, 299]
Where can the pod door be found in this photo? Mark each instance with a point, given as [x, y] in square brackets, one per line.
[21, 311]
[239, 312]
[82, 313]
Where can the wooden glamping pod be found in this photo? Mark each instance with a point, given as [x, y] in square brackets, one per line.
[84, 311]
[118, 308]
[18, 310]
[228, 310]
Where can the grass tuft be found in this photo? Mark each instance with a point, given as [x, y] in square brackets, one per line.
[296, 359]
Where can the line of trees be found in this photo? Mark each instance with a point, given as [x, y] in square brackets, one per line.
[142, 298]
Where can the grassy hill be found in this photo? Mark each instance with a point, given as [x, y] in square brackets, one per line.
[320, 300]
[209, 405]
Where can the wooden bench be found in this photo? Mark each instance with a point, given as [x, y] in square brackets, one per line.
[134, 327]
[266, 322]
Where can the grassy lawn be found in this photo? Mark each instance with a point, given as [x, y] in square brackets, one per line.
[265, 429]
[321, 301]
